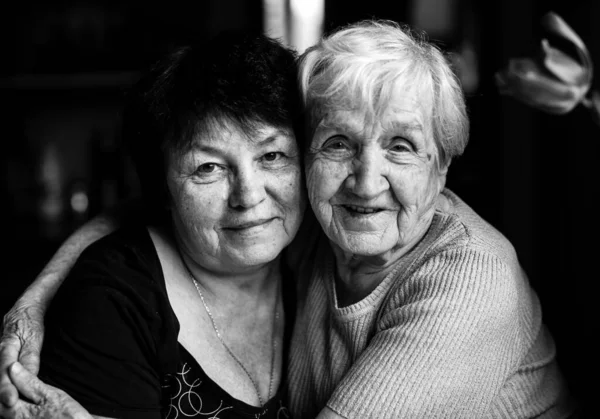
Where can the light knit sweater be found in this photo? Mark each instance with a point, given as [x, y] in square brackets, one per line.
[455, 331]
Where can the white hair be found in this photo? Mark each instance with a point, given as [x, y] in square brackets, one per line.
[362, 62]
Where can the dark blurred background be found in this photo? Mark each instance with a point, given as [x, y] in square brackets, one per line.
[66, 65]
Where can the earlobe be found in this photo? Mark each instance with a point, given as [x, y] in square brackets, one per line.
[442, 172]
[443, 168]
[441, 183]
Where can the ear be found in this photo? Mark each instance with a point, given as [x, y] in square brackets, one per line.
[442, 172]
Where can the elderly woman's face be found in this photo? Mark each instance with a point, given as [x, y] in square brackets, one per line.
[373, 183]
[236, 197]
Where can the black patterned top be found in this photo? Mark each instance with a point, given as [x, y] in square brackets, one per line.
[111, 340]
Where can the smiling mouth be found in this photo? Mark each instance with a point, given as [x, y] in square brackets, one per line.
[361, 210]
[249, 224]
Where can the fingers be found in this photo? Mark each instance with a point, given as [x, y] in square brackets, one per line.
[21, 410]
[26, 383]
[9, 352]
[39, 400]
[9, 394]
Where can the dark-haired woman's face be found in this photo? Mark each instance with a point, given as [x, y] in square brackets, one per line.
[236, 197]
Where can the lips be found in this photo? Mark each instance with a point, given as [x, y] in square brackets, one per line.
[363, 210]
[248, 224]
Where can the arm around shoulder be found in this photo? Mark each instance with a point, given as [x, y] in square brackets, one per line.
[22, 329]
[101, 332]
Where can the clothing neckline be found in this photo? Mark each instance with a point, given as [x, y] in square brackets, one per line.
[288, 308]
[371, 301]
[237, 404]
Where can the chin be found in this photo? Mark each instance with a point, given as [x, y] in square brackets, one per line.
[255, 255]
[366, 245]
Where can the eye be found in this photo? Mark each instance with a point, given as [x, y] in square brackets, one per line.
[337, 148]
[336, 144]
[207, 168]
[400, 145]
[272, 156]
[209, 172]
[274, 160]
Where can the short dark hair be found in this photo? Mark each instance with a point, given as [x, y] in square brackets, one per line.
[246, 78]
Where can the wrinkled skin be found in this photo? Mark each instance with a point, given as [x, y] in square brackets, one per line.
[22, 337]
[42, 401]
[373, 181]
[236, 200]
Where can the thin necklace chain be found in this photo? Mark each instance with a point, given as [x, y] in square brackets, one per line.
[229, 351]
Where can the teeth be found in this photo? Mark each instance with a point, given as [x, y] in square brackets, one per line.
[362, 210]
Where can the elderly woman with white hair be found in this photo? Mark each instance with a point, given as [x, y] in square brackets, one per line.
[409, 304]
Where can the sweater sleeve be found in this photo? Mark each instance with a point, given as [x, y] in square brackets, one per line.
[99, 345]
[446, 340]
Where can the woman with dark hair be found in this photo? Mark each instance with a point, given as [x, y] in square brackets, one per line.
[185, 313]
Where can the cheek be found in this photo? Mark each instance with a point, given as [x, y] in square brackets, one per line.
[406, 186]
[415, 189]
[201, 207]
[289, 192]
[324, 179]
[431, 189]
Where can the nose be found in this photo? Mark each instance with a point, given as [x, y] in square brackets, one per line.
[368, 179]
[248, 189]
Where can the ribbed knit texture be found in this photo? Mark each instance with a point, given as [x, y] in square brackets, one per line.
[455, 331]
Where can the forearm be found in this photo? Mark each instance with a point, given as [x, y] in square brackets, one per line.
[44, 287]
[23, 324]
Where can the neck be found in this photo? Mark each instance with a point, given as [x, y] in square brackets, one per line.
[358, 275]
[252, 284]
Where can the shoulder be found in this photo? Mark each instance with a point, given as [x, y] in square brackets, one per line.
[466, 293]
[123, 247]
[116, 292]
[457, 226]
[110, 328]
[466, 264]
[125, 259]
[120, 272]
[464, 270]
